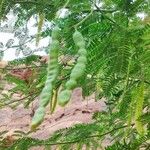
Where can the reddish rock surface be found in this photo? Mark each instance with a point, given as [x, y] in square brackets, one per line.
[76, 112]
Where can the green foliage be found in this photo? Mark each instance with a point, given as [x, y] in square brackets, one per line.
[118, 62]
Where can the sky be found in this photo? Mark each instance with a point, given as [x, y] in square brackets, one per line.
[4, 37]
[9, 54]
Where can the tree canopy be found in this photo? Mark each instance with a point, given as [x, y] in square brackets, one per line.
[117, 58]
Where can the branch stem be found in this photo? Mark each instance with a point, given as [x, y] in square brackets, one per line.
[78, 140]
[83, 20]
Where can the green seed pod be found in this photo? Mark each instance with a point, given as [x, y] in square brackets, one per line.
[81, 44]
[51, 67]
[76, 74]
[78, 67]
[46, 94]
[51, 79]
[38, 117]
[56, 33]
[71, 84]
[52, 72]
[139, 109]
[82, 52]
[64, 97]
[53, 62]
[54, 48]
[78, 71]
[77, 37]
[45, 100]
[40, 24]
[82, 59]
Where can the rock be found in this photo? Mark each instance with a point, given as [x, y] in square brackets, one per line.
[76, 112]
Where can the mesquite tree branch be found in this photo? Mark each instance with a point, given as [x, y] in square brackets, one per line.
[91, 136]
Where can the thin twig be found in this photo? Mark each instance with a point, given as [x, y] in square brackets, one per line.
[8, 68]
[106, 16]
[66, 4]
[92, 136]
[84, 19]
[21, 99]
[15, 46]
